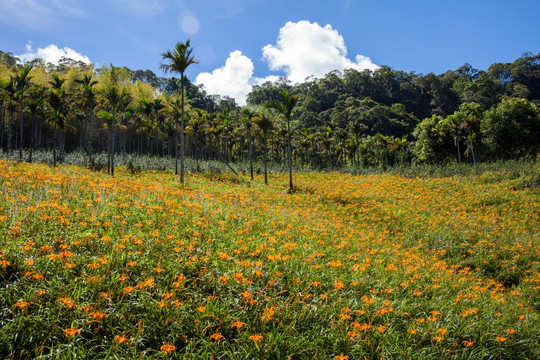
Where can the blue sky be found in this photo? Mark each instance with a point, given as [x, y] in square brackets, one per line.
[241, 43]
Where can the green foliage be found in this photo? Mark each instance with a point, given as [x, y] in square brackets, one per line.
[512, 129]
[424, 266]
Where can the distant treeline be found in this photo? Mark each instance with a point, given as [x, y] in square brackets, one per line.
[351, 119]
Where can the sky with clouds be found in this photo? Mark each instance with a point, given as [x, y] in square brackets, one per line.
[242, 43]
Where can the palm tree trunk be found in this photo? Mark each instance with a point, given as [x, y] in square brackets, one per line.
[112, 142]
[472, 148]
[251, 155]
[458, 151]
[182, 133]
[9, 128]
[2, 127]
[54, 146]
[265, 161]
[21, 125]
[89, 140]
[289, 153]
[33, 138]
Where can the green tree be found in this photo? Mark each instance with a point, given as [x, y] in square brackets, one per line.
[264, 122]
[114, 96]
[178, 61]
[23, 79]
[87, 84]
[35, 106]
[285, 107]
[247, 123]
[468, 117]
[512, 129]
[11, 90]
[57, 98]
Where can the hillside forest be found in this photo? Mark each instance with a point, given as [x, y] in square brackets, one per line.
[344, 120]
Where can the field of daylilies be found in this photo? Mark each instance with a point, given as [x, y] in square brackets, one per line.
[346, 267]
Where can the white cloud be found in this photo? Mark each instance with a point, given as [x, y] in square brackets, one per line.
[52, 54]
[235, 79]
[302, 50]
[306, 49]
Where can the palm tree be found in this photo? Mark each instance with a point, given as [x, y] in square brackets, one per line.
[57, 102]
[23, 79]
[86, 84]
[247, 123]
[11, 89]
[114, 97]
[179, 60]
[195, 127]
[36, 105]
[264, 123]
[157, 105]
[285, 107]
[358, 128]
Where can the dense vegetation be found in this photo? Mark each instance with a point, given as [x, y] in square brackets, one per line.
[346, 267]
[356, 119]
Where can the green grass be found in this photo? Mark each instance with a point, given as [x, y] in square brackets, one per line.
[358, 266]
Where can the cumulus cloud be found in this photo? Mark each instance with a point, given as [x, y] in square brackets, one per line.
[302, 50]
[234, 79]
[306, 49]
[52, 54]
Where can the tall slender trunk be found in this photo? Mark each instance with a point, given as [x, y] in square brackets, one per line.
[54, 145]
[182, 132]
[250, 155]
[33, 138]
[10, 132]
[265, 161]
[458, 150]
[289, 153]
[472, 148]
[21, 125]
[112, 140]
[89, 139]
[2, 126]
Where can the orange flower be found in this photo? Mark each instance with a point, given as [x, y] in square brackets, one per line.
[468, 343]
[338, 285]
[21, 304]
[97, 315]
[257, 338]
[442, 331]
[216, 337]
[67, 302]
[167, 348]
[438, 339]
[71, 332]
[120, 339]
[501, 339]
[237, 324]
[341, 357]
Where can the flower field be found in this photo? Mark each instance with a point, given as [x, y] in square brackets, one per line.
[346, 267]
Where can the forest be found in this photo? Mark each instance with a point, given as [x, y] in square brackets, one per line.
[343, 121]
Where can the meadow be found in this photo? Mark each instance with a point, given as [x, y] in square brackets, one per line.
[366, 266]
